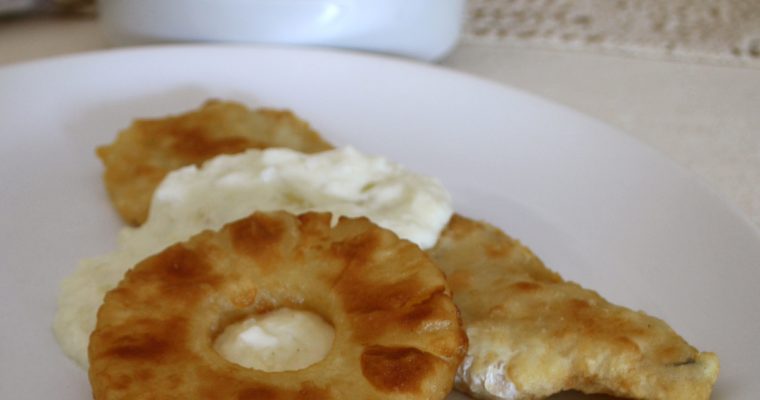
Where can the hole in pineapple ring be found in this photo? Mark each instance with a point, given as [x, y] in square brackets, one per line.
[281, 340]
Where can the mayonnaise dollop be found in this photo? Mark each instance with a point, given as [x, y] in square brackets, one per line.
[226, 188]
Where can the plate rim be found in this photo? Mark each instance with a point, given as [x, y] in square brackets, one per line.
[683, 173]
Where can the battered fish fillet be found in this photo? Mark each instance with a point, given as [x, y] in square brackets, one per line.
[144, 153]
[533, 334]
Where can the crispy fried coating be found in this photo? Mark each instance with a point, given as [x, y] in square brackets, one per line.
[533, 334]
[397, 331]
[140, 157]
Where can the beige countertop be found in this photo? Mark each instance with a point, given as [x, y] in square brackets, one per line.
[704, 117]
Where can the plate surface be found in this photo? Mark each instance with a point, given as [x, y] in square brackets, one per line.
[593, 203]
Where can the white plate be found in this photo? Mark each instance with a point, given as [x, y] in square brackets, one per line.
[597, 206]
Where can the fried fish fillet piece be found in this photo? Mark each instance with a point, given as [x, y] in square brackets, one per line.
[140, 157]
[532, 334]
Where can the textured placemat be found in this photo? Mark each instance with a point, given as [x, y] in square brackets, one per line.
[715, 31]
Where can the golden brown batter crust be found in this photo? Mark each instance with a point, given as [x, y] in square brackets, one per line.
[548, 334]
[533, 334]
[144, 153]
[398, 334]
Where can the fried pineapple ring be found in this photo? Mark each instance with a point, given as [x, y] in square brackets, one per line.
[397, 331]
[533, 334]
[144, 153]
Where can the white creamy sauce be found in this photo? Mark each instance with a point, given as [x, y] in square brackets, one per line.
[281, 340]
[226, 188]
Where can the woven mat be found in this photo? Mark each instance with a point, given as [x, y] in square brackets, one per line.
[713, 31]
